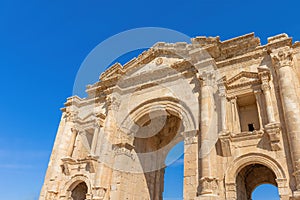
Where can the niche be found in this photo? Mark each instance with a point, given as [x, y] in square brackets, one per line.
[248, 113]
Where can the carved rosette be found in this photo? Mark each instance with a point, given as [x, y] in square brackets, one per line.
[208, 185]
[282, 57]
[273, 130]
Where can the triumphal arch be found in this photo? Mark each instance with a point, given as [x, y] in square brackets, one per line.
[234, 103]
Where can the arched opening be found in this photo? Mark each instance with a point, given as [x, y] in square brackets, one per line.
[250, 177]
[79, 192]
[174, 171]
[265, 191]
[152, 149]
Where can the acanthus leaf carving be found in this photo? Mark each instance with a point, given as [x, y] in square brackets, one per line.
[208, 185]
[282, 57]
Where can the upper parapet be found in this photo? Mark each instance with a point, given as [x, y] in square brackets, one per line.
[222, 50]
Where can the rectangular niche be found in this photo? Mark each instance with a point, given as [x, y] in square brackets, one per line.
[248, 113]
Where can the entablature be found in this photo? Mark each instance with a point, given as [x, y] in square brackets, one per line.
[71, 166]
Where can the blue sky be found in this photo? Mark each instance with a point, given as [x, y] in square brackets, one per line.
[43, 44]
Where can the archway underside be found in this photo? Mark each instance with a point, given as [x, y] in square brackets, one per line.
[158, 144]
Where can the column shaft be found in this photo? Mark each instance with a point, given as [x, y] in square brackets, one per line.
[282, 59]
[72, 142]
[269, 105]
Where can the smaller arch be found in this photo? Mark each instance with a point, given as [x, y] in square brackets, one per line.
[74, 181]
[252, 176]
[253, 158]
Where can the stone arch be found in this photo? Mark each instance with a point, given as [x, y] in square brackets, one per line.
[172, 105]
[156, 147]
[254, 159]
[73, 182]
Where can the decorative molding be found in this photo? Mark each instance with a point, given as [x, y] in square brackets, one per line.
[114, 71]
[70, 164]
[274, 132]
[190, 137]
[71, 115]
[225, 143]
[243, 79]
[208, 185]
[228, 140]
[123, 149]
[282, 57]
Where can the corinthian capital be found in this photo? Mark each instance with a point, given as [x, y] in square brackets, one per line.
[113, 103]
[265, 78]
[206, 78]
[282, 57]
[71, 115]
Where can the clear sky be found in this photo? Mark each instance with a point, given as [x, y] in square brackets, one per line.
[43, 44]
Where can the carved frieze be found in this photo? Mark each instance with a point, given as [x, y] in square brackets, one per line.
[242, 79]
[70, 165]
[123, 149]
